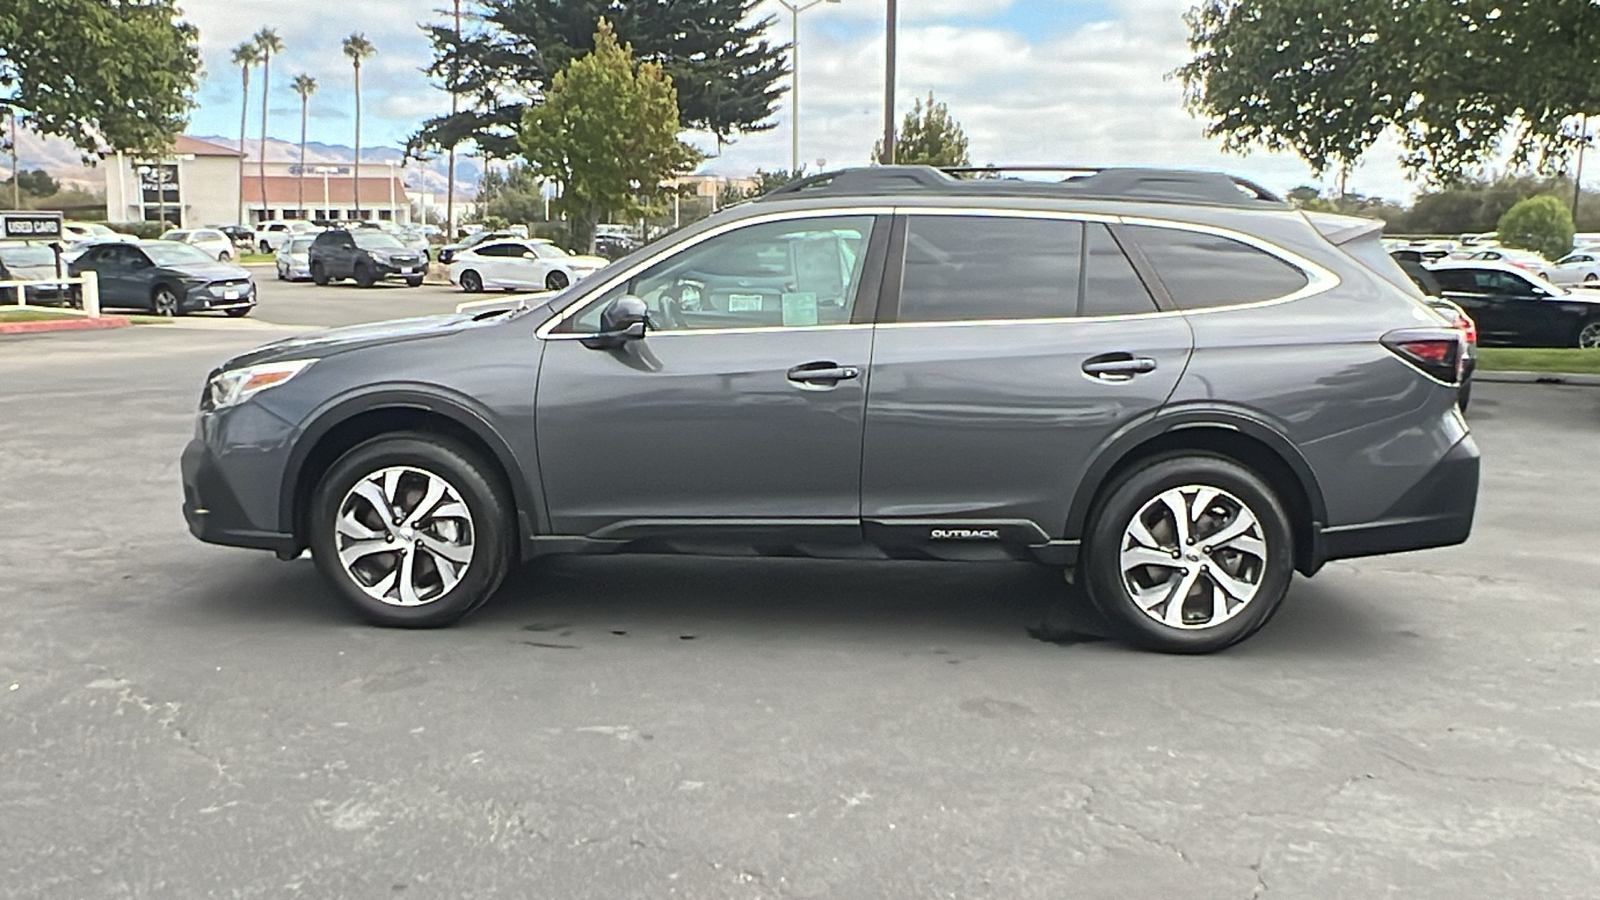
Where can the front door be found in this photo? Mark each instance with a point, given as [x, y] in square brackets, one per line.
[1018, 346]
[740, 411]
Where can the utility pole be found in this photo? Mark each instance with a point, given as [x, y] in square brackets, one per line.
[888, 84]
[795, 9]
[16, 170]
[450, 185]
[1577, 178]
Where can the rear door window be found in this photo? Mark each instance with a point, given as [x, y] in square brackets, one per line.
[1111, 286]
[990, 267]
[1201, 270]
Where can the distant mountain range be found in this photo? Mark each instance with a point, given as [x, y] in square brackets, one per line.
[65, 163]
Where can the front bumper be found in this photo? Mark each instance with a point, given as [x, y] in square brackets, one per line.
[203, 298]
[214, 512]
[402, 271]
[1436, 512]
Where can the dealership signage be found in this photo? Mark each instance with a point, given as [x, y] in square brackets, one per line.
[38, 226]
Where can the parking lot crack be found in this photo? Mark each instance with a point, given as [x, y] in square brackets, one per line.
[1088, 808]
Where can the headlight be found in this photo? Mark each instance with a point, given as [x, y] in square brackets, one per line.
[234, 386]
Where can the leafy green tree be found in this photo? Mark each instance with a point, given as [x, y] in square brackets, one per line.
[608, 134]
[1542, 224]
[726, 73]
[104, 74]
[928, 136]
[512, 195]
[1455, 79]
[34, 183]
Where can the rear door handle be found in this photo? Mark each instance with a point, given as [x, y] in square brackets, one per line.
[823, 373]
[1117, 366]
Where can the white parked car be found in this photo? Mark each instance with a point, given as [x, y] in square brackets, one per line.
[1526, 260]
[294, 258]
[1582, 267]
[272, 235]
[520, 265]
[209, 241]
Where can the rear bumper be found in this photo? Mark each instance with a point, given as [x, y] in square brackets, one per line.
[1436, 512]
[213, 511]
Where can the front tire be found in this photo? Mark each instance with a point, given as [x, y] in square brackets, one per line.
[365, 277]
[413, 282]
[412, 531]
[1188, 553]
[164, 301]
[224, 256]
[556, 281]
[471, 282]
[319, 275]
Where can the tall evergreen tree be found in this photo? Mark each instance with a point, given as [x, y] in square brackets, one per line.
[728, 76]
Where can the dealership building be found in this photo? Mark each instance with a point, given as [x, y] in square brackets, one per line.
[199, 184]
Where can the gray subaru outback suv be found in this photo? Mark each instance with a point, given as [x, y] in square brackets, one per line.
[1171, 385]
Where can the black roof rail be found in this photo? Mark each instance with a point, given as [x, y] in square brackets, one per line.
[1086, 182]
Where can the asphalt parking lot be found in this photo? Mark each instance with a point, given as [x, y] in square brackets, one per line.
[302, 303]
[181, 720]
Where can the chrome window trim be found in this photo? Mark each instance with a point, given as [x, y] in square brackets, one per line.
[579, 303]
[1318, 279]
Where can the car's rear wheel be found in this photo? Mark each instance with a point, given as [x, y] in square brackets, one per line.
[224, 256]
[164, 301]
[471, 282]
[265, 247]
[1589, 335]
[319, 275]
[556, 281]
[1188, 553]
[365, 277]
[411, 531]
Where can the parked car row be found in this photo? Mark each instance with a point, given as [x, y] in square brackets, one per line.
[167, 278]
[1509, 305]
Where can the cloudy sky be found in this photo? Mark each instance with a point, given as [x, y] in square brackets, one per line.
[1032, 81]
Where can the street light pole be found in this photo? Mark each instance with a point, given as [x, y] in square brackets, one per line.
[891, 21]
[795, 9]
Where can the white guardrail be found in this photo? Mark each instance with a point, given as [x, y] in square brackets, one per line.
[90, 294]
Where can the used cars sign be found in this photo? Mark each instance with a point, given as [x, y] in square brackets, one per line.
[38, 226]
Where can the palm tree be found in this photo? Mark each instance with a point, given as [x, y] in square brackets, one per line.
[267, 43]
[357, 47]
[305, 86]
[245, 55]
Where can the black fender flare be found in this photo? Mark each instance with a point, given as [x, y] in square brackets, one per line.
[458, 408]
[1180, 417]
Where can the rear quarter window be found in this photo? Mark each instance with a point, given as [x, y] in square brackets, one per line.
[1201, 270]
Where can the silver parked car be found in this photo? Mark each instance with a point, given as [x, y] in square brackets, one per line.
[1172, 385]
[293, 258]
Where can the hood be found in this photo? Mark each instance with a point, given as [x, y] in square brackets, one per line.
[319, 344]
[588, 262]
[36, 273]
[211, 271]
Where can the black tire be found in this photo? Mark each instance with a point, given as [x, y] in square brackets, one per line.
[224, 256]
[1464, 396]
[413, 282]
[1591, 278]
[319, 274]
[283, 274]
[365, 277]
[238, 312]
[265, 247]
[556, 281]
[164, 301]
[471, 282]
[479, 488]
[1101, 571]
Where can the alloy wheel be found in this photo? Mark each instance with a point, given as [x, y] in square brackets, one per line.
[404, 536]
[1193, 557]
[556, 281]
[1589, 335]
[164, 303]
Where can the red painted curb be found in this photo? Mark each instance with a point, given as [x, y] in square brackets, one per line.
[64, 325]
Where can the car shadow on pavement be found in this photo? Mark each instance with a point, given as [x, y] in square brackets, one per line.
[697, 597]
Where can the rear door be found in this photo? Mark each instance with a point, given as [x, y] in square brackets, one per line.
[1011, 348]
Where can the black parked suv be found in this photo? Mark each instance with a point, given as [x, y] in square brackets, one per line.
[367, 255]
[1172, 385]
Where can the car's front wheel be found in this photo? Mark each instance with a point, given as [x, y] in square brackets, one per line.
[319, 274]
[411, 531]
[556, 281]
[164, 301]
[364, 275]
[1188, 554]
[1589, 335]
[471, 282]
[224, 256]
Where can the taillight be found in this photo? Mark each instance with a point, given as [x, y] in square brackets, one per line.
[1437, 353]
[1462, 322]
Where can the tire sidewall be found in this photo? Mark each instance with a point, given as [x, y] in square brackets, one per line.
[471, 281]
[1123, 500]
[479, 489]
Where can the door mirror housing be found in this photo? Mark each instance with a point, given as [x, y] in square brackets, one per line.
[625, 319]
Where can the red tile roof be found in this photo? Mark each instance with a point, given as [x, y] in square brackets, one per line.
[285, 189]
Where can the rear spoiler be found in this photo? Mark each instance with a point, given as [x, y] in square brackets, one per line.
[1340, 230]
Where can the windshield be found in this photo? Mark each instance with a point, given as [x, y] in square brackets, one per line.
[548, 251]
[100, 231]
[377, 240]
[27, 255]
[175, 236]
[171, 253]
[300, 244]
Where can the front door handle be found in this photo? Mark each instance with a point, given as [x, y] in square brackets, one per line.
[1117, 366]
[822, 374]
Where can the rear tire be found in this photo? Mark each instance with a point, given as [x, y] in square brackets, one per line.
[224, 256]
[460, 545]
[471, 282]
[1225, 592]
[1589, 335]
[265, 247]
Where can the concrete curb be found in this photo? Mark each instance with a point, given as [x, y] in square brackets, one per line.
[1537, 378]
[64, 325]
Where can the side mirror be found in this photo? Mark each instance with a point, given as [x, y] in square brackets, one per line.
[624, 319]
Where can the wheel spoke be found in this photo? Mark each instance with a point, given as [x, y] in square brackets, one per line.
[1141, 534]
[1249, 546]
[356, 551]
[456, 553]
[451, 509]
[430, 498]
[1178, 506]
[1174, 612]
[1133, 557]
[351, 527]
[408, 580]
[1237, 589]
[370, 491]
[1242, 522]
